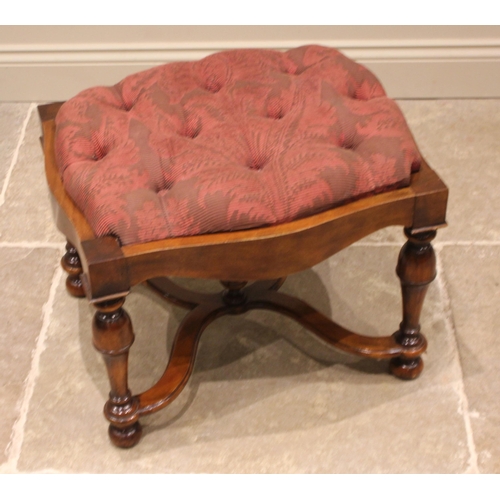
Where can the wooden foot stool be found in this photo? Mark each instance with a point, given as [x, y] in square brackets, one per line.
[245, 167]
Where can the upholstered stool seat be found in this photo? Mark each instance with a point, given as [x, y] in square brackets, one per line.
[247, 165]
[241, 139]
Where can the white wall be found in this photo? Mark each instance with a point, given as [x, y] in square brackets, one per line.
[43, 63]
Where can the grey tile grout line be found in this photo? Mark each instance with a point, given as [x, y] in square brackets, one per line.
[463, 402]
[476, 243]
[17, 434]
[439, 245]
[16, 153]
[32, 244]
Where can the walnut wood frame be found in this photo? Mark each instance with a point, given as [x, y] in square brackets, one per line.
[104, 271]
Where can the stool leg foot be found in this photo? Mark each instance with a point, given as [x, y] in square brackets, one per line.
[416, 270]
[72, 265]
[125, 437]
[406, 368]
[112, 337]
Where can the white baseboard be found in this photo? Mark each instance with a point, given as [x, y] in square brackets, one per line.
[423, 68]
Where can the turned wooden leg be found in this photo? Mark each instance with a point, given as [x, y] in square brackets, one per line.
[416, 270]
[72, 265]
[113, 336]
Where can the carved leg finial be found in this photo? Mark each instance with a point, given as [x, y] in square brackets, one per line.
[113, 336]
[234, 295]
[416, 269]
[72, 265]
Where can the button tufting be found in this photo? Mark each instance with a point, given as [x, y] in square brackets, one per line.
[192, 129]
[163, 189]
[212, 90]
[348, 142]
[257, 162]
[292, 70]
[99, 150]
[275, 112]
[256, 166]
[276, 116]
[276, 109]
[189, 133]
[319, 122]
[126, 106]
[213, 85]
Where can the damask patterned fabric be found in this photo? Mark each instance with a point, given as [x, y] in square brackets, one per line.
[239, 139]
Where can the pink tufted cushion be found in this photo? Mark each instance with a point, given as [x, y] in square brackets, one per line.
[240, 139]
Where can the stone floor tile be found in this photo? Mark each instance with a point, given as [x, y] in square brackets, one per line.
[12, 116]
[298, 430]
[265, 395]
[473, 275]
[461, 140]
[26, 277]
[26, 214]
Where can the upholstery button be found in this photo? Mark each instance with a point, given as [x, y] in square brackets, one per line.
[126, 106]
[347, 144]
[347, 141]
[213, 85]
[191, 134]
[214, 90]
[257, 162]
[191, 129]
[166, 187]
[276, 114]
[256, 166]
[293, 70]
[100, 151]
[276, 108]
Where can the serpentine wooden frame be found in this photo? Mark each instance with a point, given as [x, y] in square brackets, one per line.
[104, 271]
